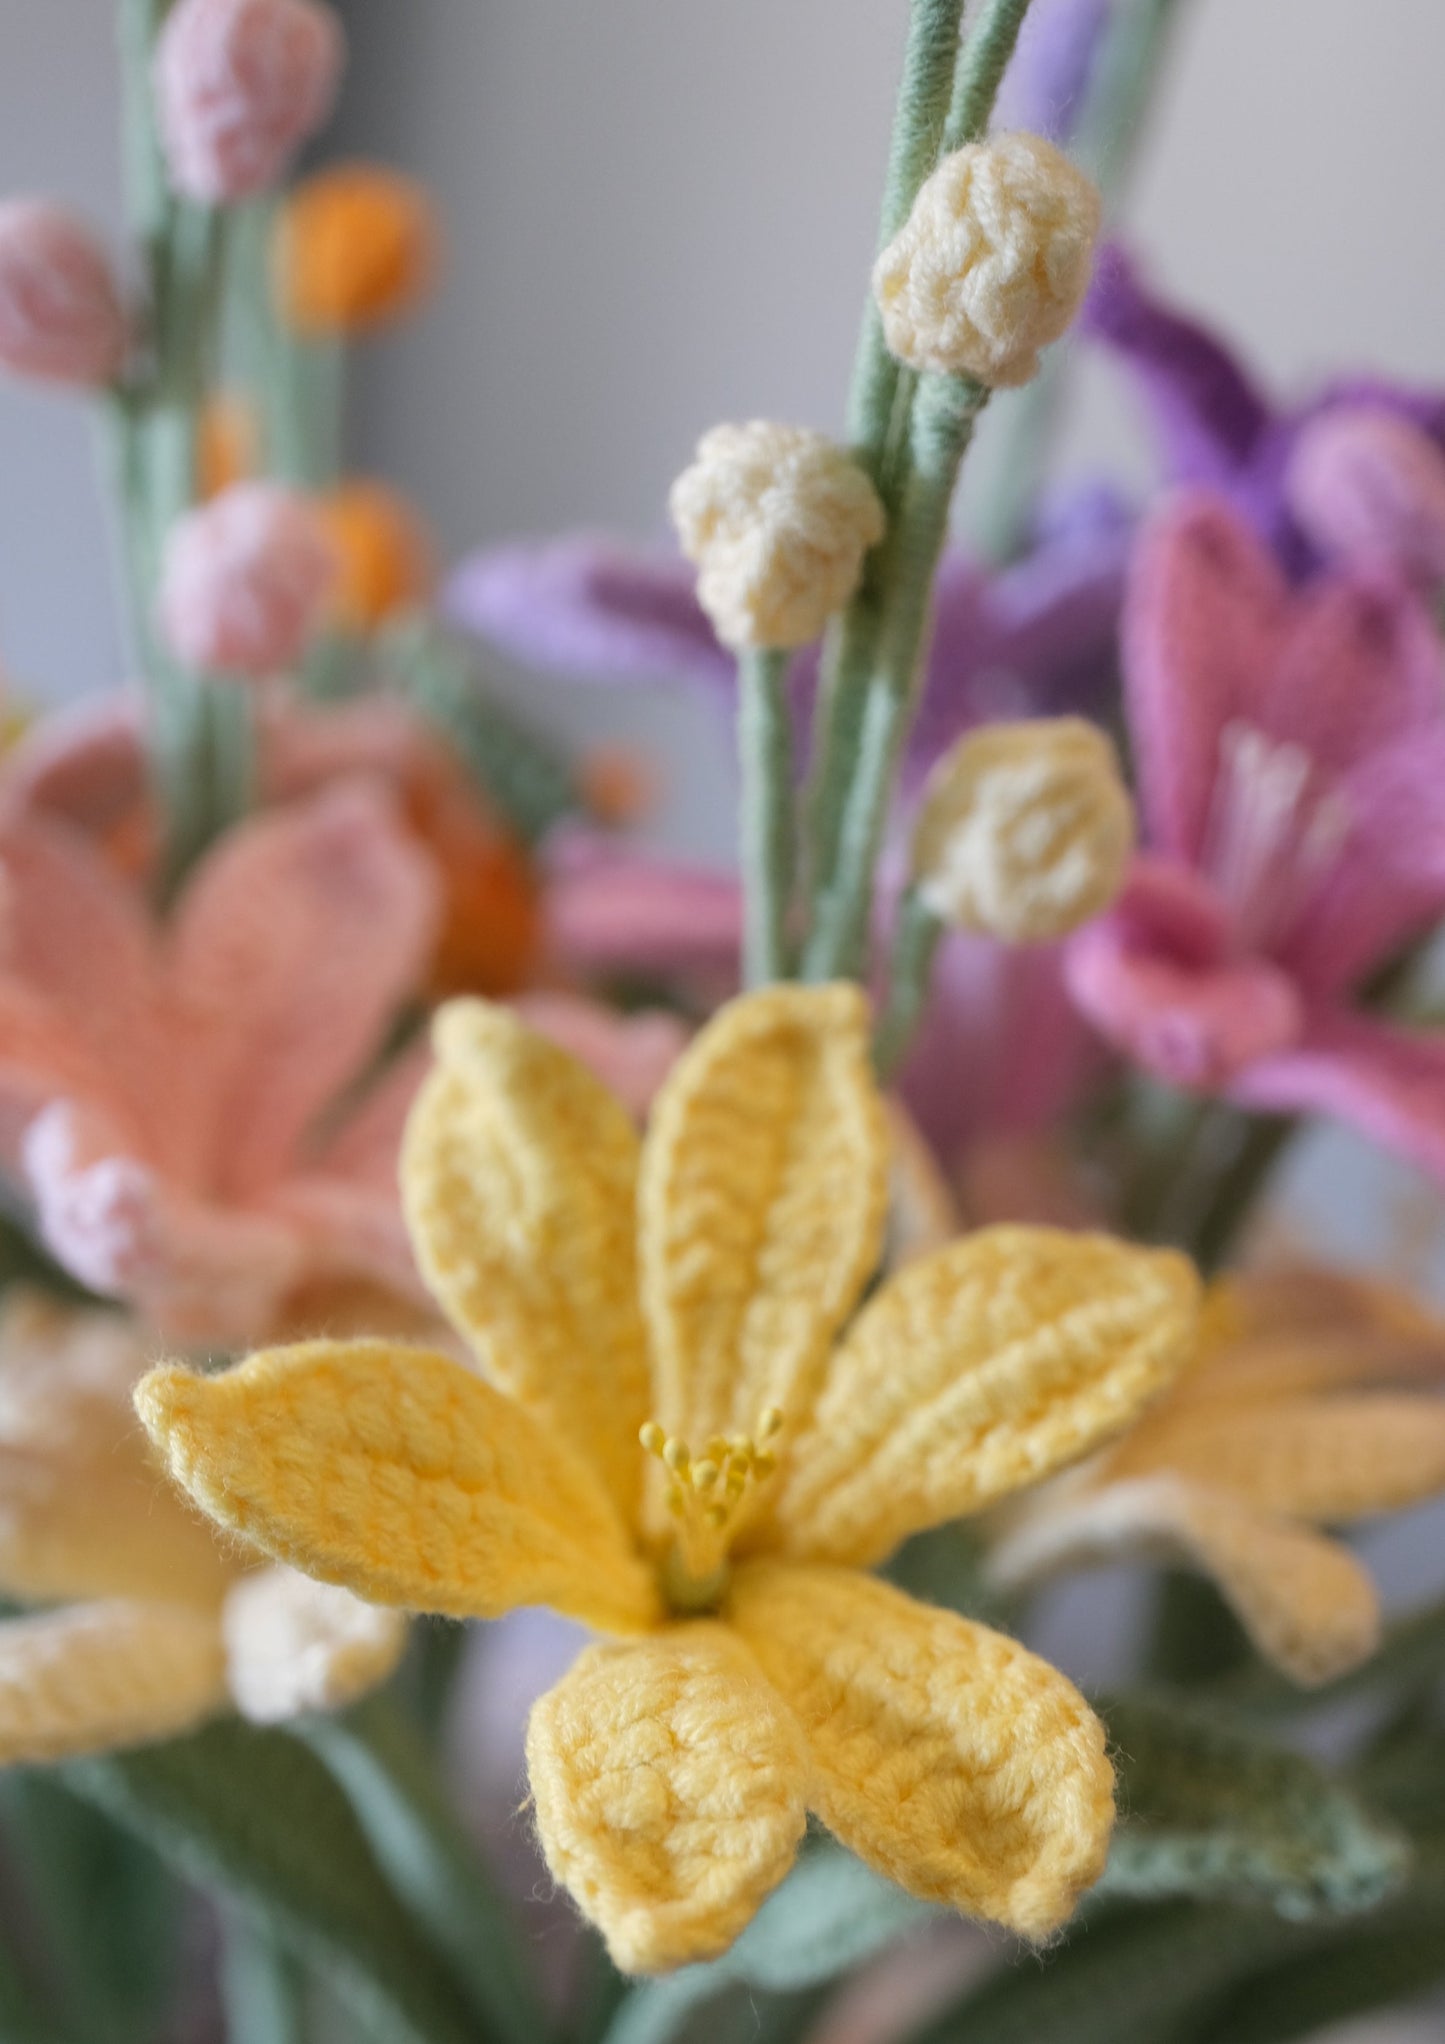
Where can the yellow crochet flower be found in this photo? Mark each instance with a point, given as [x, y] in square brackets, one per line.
[144, 1626]
[688, 1294]
[1302, 1409]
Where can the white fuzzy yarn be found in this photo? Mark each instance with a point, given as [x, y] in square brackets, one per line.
[1025, 830]
[992, 263]
[778, 520]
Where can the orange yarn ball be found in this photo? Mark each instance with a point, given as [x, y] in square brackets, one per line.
[491, 932]
[226, 444]
[384, 549]
[358, 245]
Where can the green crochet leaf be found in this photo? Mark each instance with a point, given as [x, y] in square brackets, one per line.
[252, 1813]
[1210, 1809]
[520, 771]
[830, 1915]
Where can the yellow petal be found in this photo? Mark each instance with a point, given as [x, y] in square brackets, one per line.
[294, 1645]
[97, 1677]
[83, 1511]
[947, 1756]
[519, 1176]
[1328, 1459]
[1267, 1367]
[670, 1788]
[764, 1184]
[401, 1476]
[974, 1372]
[1305, 1601]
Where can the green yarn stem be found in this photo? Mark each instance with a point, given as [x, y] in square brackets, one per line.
[915, 946]
[985, 58]
[1112, 118]
[263, 1987]
[765, 747]
[381, 1763]
[944, 414]
[895, 417]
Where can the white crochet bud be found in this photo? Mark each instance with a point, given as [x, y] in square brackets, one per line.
[992, 263]
[777, 520]
[1025, 830]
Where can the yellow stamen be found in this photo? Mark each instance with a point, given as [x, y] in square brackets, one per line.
[707, 1498]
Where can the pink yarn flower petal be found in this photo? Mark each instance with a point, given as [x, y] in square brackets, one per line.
[631, 1054]
[60, 312]
[41, 1057]
[84, 765]
[614, 911]
[239, 86]
[1385, 1081]
[293, 947]
[245, 581]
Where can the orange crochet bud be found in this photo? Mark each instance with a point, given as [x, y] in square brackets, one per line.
[491, 922]
[227, 444]
[358, 245]
[618, 784]
[384, 549]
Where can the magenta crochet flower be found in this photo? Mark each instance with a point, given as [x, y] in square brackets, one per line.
[245, 581]
[239, 86]
[171, 1096]
[60, 312]
[1291, 758]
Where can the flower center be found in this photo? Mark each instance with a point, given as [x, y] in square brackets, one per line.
[706, 1497]
[1273, 833]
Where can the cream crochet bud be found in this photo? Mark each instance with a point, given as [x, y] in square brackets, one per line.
[778, 520]
[1024, 831]
[992, 263]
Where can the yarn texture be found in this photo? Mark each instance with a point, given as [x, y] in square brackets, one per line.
[1025, 830]
[61, 316]
[992, 263]
[1286, 1423]
[245, 581]
[672, 1772]
[1368, 485]
[358, 245]
[777, 520]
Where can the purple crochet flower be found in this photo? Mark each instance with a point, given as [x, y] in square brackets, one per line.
[1213, 425]
[1290, 749]
[1037, 637]
[1043, 88]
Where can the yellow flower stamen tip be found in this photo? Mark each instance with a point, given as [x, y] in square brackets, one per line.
[653, 1439]
[705, 1474]
[706, 1497]
[770, 1422]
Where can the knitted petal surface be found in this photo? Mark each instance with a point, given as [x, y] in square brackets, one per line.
[1325, 1459]
[399, 1475]
[294, 1645]
[764, 1182]
[948, 1757]
[100, 1676]
[1305, 1601]
[671, 1788]
[975, 1371]
[519, 1178]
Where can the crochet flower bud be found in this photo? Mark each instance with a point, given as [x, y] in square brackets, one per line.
[777, 520]
[239, 85]
[358, 245]
[992, 263]
[1366, 484]
[1025, 830]
[60, 312]
[245, 581]
[385, 559]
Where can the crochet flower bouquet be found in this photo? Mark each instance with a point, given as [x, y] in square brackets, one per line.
[412, 1230]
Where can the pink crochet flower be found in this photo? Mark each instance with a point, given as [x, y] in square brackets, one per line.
[60, 311]
[245, 580]
[1366, 484]
[170, 1094]
[239, 86]
[1291, 757]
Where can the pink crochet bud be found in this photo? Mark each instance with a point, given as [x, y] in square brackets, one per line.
[245, 581]
[1369, 485]
[60, 312]
[239, 85]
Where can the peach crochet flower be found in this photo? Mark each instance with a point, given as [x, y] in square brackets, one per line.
[148, 1625]
[169, 1094]
[239, 86]
[245, 580]
[60, 312]
[685, 1432]
[1303, 1409]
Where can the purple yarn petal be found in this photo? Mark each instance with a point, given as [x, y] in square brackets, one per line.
[1044, 86]
[590, 609]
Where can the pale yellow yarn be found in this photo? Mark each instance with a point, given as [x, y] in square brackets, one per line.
[672, 1773]
[1025, 830]
[1287, 1421]
[98, 1676]
[992, 263]
[777, 520]
[295, 1646]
